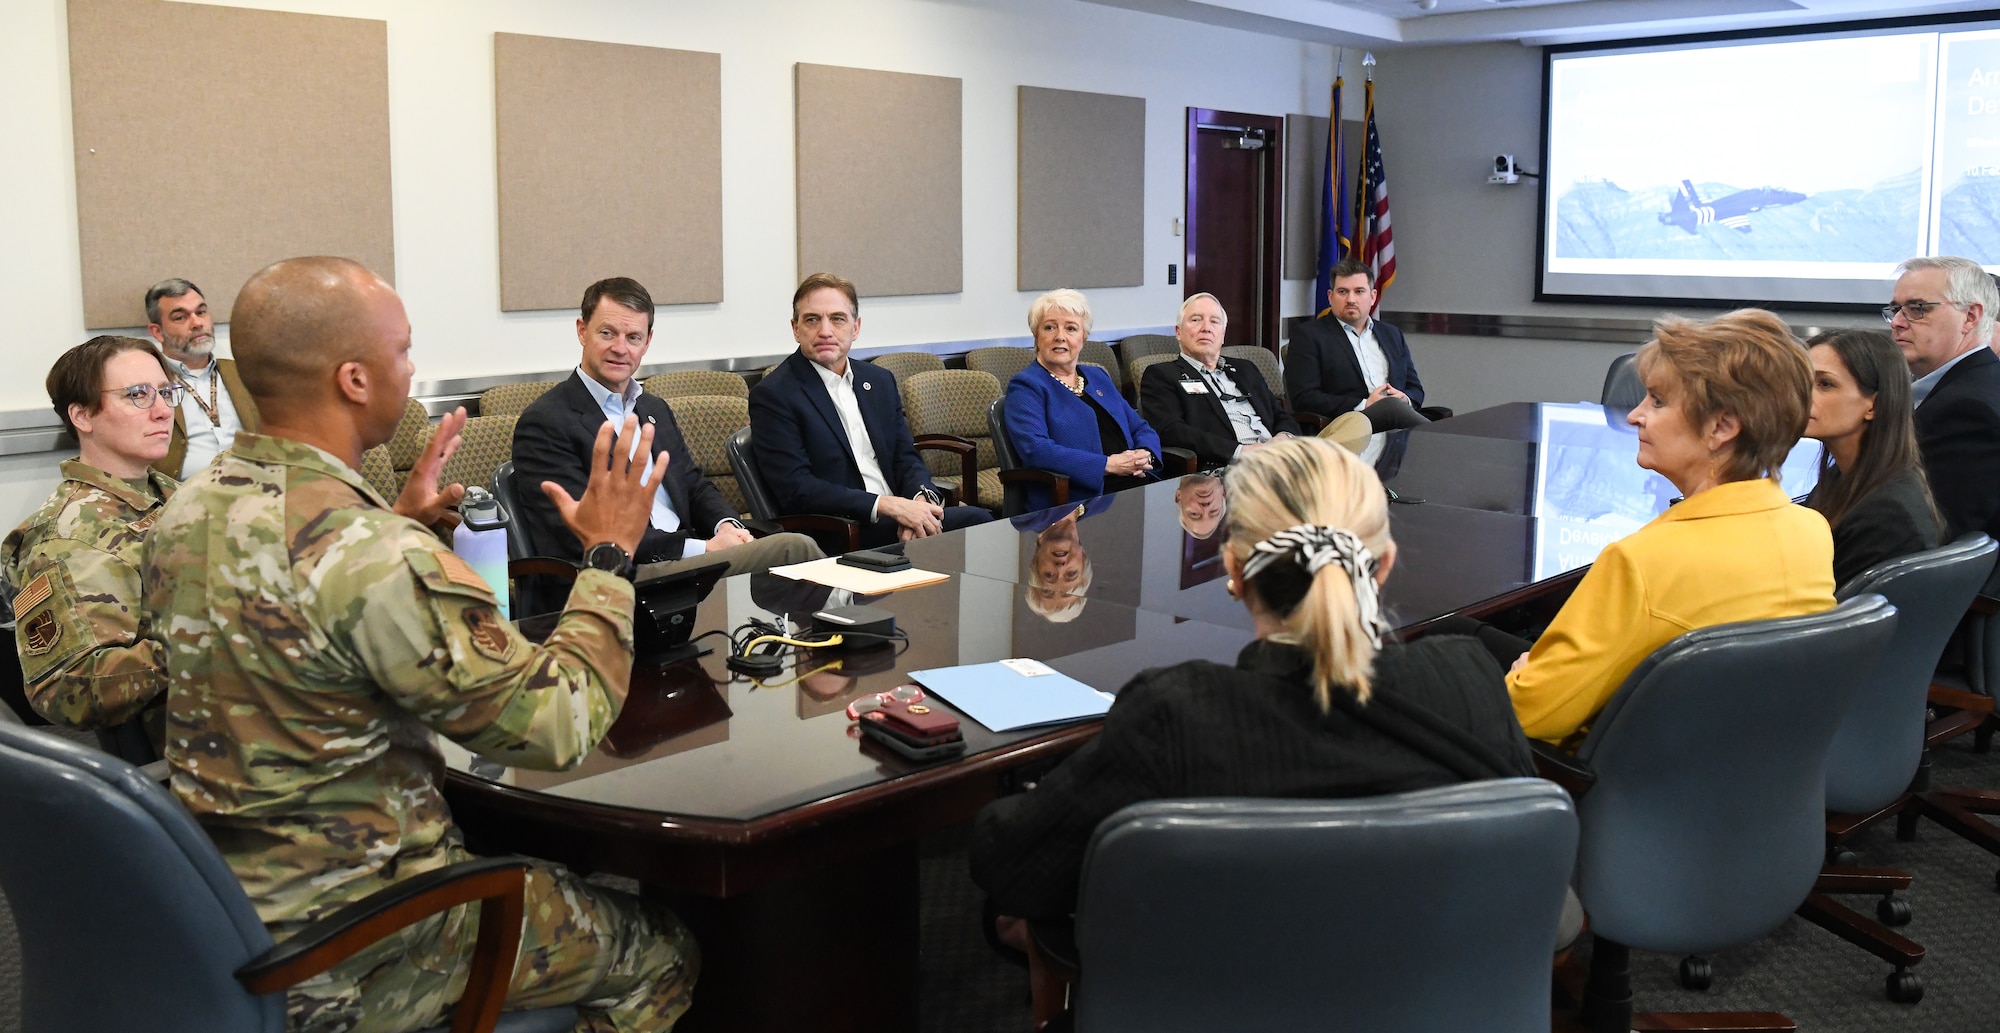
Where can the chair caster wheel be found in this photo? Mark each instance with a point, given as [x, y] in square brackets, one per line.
[1893, 911]
[1697, 974]
[1905, 987]
[1840, 857]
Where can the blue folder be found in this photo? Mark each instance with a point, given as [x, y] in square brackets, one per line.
[1003, 699]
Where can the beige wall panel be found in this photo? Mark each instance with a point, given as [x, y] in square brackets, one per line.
[880, 166]
[258, 136]
[572, 212]
[1082, 213]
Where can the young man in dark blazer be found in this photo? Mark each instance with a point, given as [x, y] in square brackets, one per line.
[829, 435]
[1941, 317]
[1205, 403]
[692, 523]
[1347, 361]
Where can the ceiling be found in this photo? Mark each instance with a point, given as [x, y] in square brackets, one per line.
[1389, 23]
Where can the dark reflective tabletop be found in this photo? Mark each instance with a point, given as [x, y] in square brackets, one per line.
[695, 741]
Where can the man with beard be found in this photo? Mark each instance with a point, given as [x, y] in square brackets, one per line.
[216, 404]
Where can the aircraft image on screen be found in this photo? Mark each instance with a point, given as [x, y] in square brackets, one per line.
[1688, 211]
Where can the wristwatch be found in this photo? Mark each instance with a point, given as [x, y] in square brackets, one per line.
[612, 558]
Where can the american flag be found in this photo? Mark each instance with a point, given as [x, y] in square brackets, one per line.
[1375, 243]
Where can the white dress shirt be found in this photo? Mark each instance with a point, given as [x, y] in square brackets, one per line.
[205, 438]
[1243, 419]
[1368, 352]
[841, 388]
[616, 407]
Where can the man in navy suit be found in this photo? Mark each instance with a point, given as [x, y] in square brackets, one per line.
[829, 436]
[1347, 361]
[692, 523]
[1941, 316]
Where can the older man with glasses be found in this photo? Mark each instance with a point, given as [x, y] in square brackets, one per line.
[74, 565]
[1941, 316]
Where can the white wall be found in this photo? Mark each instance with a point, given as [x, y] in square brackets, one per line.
[1465, 246]
[442, 149]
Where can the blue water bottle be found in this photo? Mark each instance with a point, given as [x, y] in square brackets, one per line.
[481, 540]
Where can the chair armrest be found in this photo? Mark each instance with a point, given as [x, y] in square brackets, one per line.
[1057, 483]
[968, 461]
[543, 566]
[825, 529]
[1310, 422]
[1561, 768]
[1985, 604]
[1180, 461]
[760, 528]
[496, 882]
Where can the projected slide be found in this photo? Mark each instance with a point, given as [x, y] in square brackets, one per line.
[1798, 169]
[1590, 490]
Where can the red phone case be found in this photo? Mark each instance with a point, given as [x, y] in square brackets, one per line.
[923, 720]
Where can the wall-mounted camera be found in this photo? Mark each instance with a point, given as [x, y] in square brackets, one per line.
[1504, 170]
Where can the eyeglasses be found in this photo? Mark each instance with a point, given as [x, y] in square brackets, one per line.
[142, 395]
[899, 694]
[1914, 311]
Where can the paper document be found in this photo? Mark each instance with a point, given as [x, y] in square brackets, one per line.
[835, 574]
[1003, 695]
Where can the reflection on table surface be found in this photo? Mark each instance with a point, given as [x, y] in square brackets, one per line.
[696, 741]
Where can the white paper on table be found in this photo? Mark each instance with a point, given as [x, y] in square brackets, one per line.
[835, 574]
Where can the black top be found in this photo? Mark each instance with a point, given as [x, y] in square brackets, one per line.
[1111, 438]
[1890, 522]
[1202, 729]
[1958, 431]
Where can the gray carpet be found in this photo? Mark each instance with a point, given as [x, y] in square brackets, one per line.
[1800, 970]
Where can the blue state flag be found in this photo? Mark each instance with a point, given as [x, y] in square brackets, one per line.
[1336, 229]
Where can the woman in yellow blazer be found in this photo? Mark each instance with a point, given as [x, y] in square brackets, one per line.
[1725, 401]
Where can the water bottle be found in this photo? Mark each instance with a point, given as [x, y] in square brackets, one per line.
[481, 540]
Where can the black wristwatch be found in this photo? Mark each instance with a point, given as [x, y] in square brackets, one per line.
[611, 558]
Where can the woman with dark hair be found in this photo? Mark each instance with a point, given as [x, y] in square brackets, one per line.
[1871, 487]
[74, 564]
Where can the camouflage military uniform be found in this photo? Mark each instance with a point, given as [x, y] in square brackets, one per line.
[75, 567]
[315, 640]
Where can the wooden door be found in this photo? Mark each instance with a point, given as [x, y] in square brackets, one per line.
[1235, 208]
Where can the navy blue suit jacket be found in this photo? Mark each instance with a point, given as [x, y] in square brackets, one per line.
[1323, 376]
[802, 450]
[552, 442]
[1053, 429]
[1958, 432]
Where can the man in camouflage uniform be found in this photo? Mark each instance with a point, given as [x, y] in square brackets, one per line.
[75, 563]
[316, 639]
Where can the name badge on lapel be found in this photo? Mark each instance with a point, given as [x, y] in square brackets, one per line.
[1194, 387]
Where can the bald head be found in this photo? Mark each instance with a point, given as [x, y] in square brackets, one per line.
[296, 322]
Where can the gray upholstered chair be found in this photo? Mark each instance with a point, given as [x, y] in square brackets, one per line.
[1002, 361]
[682, 383]
[1622, 387]
[1014, 477]
[110, 879]
[1266, 363]
[1140, 345]
[1429, 910]
[484, 443]
[1676, 856]
[1100, 354]
[906, 364]
[1135, 368]
[1872, 766]
[512, 399]
[412, 433]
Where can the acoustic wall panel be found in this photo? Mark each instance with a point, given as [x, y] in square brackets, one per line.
[610, 163]
[1082, 211]
[212, 141]
[1305, 165]
[881, 168]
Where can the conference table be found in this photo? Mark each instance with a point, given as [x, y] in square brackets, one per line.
[790, 845]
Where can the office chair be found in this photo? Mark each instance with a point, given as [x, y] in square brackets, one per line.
[706, 421]
[1676, 856]
[835, 534]
[513, 399]
[1874, 760]
[130, 921]
[484, 443]
[1622, 387]
[686, 383]
[1100, 354]
[1428, 910]
[946, 411]
[903, 365]
[1014, 477]
[1000, 361]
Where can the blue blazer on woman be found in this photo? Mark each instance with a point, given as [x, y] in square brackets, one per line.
[1053, 429]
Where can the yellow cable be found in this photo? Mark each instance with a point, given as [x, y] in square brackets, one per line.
[761, 639]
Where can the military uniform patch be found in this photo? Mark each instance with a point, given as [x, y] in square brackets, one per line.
[458, 571]
[34, 595]
[42, 632]
[489, 634]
